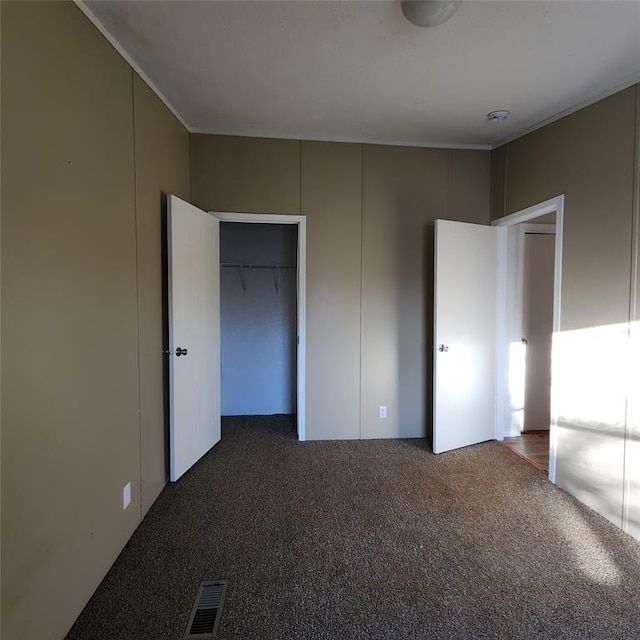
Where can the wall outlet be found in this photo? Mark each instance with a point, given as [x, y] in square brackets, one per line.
[126, 495]
[382, 412]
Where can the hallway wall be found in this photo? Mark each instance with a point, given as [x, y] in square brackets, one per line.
[537, 329]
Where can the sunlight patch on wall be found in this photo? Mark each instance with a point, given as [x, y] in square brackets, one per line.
[590, 385]
[517, 369]
[591, 372]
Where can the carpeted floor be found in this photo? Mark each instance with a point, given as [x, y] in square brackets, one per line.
[373, 540]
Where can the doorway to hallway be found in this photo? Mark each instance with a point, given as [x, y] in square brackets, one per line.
[531, 276]
[532, 447]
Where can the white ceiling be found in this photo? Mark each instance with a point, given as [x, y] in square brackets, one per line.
[358, 71]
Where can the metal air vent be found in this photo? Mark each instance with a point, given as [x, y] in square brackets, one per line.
[207, 611]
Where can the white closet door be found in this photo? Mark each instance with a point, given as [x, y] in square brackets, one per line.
[194, 333]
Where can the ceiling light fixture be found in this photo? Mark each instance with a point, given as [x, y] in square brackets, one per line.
[498, 116]
[429, 13]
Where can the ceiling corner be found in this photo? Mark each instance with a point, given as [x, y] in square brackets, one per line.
[84, 7]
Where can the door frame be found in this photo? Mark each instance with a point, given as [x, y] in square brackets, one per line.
[513, 421]
[301, 271]
[510, 301]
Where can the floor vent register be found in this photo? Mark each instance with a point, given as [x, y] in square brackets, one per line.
[207, 611]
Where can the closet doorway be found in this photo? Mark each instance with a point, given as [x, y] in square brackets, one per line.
[262, 294]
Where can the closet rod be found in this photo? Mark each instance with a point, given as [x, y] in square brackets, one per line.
[233, 265]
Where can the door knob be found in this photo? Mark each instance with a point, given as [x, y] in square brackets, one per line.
[181, 352]
[443, 348]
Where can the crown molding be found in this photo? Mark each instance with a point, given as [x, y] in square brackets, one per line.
[82, 5]
[630, 81]
[348, 140]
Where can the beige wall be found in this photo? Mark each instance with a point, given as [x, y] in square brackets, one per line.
[80, 267]
[332, 202]
[247, 175]
[405, 190]
[370, 213]
[162, 166]
[589, 157]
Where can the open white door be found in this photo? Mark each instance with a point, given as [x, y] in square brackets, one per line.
[194, 333]
[464, 361]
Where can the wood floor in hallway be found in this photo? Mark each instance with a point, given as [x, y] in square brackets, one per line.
[532, 446]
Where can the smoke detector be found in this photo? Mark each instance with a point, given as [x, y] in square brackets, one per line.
[498, 116]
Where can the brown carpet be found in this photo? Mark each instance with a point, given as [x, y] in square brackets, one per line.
[369, 539]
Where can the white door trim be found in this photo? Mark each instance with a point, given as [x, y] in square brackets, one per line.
[553, 205]
[301, 221]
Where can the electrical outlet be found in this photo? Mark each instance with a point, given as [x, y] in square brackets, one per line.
[126, 495]
[382, 412]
